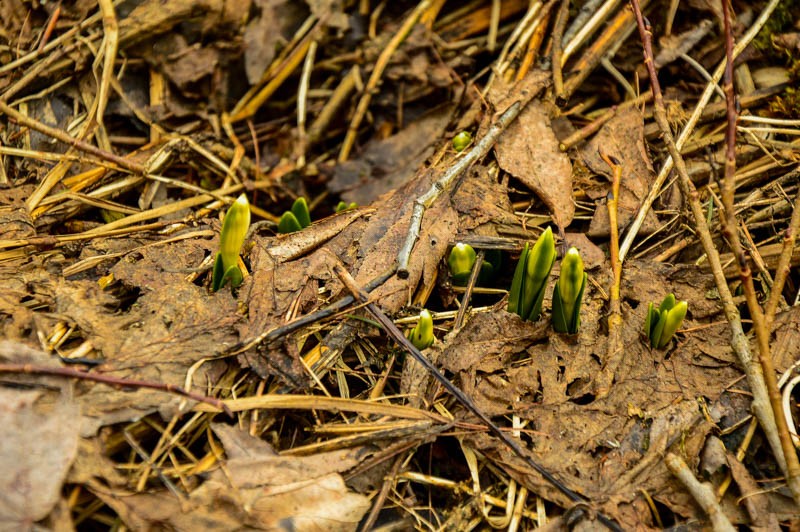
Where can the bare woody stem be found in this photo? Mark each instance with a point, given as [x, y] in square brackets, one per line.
[426, 200]
[739, 342]
[731, 232]
[117, 382]
[615, 351]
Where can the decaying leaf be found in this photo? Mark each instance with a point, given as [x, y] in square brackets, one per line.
[529, 150]
[39, 442]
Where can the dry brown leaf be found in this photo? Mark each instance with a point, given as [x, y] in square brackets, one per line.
[40, 441]
[258, 489]
[622, 137]
[529, 150]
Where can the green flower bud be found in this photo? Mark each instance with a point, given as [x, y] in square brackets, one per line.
[568, 295]
[422, 335]
[461, 141]
[530, 277]
[234, 229]
[343, 206]
[461, 261]
[288, 224]
[300, 211]
[661, 324]
[296, 219]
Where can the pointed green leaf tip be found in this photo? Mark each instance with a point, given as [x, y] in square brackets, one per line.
[568, 295]
[296, 219]
[422, 335]
[461, 261]
[343, 206]
[234, 230]
[530, 278]
[661, 323]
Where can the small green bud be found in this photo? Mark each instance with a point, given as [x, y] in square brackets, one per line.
[461, 141]
[296, 219]
[300, 211]
[234, 230]
[568, 295]
[530, 277]
[343, 206]
[461, 261]
[422, 335]
[661, 323]
[288, 223]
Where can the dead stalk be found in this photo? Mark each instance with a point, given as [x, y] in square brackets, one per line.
[615, 351]
[731, 232]
[481, 148]
[391, 329]
[739, 342]
[702, 493]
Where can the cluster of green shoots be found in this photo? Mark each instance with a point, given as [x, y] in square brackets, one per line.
[298, 218]
[662, 322]
[529, 284]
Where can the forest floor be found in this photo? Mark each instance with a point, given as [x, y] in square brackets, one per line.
[135, 397]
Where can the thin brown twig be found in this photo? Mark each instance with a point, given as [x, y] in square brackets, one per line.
[116, 382]
[558, 50]
[66, 138]
[375, 77]
[702, 493]
[784, 263]
[391, 329]
[615, 351]
[739, 342]
[731, 232]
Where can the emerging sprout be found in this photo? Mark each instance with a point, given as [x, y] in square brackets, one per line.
[461, 141]
[662, 322]
[530, 277]
[568, 295]
[461, 261]
[422, 335]
[296, 219]
[343, 206]
[234, 229]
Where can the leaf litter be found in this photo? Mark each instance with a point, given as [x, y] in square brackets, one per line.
[128, 298]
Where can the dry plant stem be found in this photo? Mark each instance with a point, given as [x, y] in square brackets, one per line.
[784, 263]
[594, 126]
[615, 352]
[702, 493]
[308, 319]
[375, 77]
[111, 43]
[731, 232]
[464, 162]
[473, 278]
[377, 505]
[687, 130]
[66, 138]
[558, 32]
[739, 342]
[116, 382]
[391, 329]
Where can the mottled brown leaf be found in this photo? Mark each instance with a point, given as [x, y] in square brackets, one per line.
[529, 150]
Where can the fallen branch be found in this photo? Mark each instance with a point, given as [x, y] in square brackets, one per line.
[730, 228]
[427, 199]
[116, 382]
[395, 333]
[702, 493]
[739, 342]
